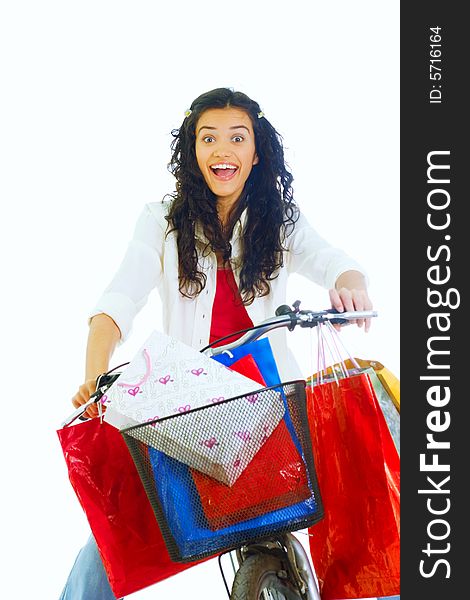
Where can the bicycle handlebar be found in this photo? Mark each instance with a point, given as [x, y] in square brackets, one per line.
[285, 317]
[290, 319]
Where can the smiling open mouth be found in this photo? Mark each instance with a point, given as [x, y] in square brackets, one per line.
[224, 171]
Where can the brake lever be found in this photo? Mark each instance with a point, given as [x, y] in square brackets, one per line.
[338, 320]
[103, 383]
[348, 316]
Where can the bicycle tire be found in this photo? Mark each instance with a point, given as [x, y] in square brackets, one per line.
[257, 579]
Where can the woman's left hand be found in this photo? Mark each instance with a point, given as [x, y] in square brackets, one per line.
[346, 299]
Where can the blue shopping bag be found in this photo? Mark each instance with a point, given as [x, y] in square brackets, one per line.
[262, 354]
[184, 515]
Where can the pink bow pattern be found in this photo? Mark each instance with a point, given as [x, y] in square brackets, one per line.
[217, 400]
[265, 436]
[243, 435]
[210, 443]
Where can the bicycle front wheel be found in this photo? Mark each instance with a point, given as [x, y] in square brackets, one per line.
[263, 577]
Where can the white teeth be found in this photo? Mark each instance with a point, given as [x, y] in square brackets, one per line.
[223, 166]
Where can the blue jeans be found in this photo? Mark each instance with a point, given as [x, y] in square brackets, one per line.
[87, 579]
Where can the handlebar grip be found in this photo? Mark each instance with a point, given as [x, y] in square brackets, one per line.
[312, 319]
[356, 314]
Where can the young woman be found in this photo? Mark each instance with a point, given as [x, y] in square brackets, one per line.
[219, 252]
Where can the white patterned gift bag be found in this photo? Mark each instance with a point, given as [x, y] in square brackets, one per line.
[166, 378]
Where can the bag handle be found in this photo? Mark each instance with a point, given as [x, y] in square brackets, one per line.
[323, 341]
[148, 369]
[329, 341]
[339, 342]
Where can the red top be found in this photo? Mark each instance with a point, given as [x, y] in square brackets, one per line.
[228, 311]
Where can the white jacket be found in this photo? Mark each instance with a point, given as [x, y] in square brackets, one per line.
[151, 261]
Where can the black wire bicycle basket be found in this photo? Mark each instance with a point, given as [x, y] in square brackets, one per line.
[252, 479]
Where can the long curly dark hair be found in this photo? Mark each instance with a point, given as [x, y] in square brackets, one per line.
[267, 195]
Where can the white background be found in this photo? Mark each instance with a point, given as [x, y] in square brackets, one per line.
[90, 93]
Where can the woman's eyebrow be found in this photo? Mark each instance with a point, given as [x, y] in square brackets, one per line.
[214, 128]
[240, 127]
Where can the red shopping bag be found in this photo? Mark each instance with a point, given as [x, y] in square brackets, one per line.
[248, 367]
[275, 478]
[110, 492]
[356, 547]
[109, 489]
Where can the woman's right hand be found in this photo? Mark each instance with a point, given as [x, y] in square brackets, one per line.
[83, 395]
[103, 337]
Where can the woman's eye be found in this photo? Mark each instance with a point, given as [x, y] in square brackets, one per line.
[207, 139]
[238, 138]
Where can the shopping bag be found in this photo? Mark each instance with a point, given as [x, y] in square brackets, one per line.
[387, 378]
[356, 547]
[156, 382]
[111, 494]
[167, 377]
[246, 365]
[389, 381]
[175, 497]
[177, 503]
[275, 478]
[389, 404]
[261, 352]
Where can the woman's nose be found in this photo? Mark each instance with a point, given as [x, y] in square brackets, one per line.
[222, 150]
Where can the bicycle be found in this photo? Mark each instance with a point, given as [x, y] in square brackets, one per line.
[276, 568]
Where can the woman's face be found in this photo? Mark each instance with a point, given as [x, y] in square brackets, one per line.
[225, 151]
